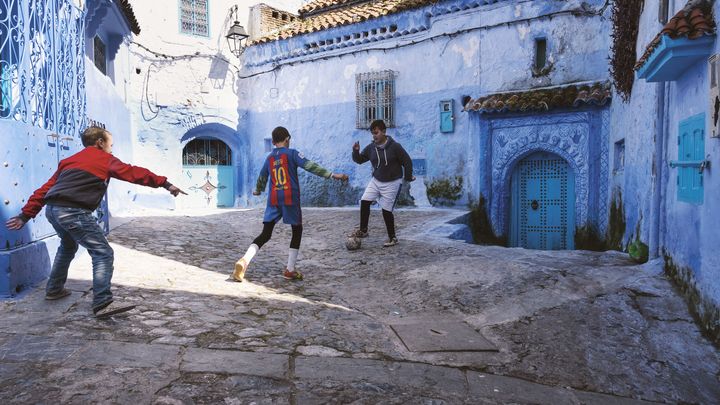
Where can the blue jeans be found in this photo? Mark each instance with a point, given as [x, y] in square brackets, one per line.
[76, 226]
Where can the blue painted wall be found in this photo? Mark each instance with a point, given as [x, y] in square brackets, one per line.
[685, 233]
[32, 147]
[446, 51]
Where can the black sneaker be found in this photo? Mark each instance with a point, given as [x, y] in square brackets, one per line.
[358, 233]
[391, 242]
[57, 295]
[114, 307]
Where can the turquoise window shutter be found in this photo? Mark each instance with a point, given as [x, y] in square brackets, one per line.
[446, 116]
[691, 152]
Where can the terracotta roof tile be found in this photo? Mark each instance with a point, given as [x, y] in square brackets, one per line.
[130, 16]
[693, 21]
[323, 14]
[574, 95]
[318, 5]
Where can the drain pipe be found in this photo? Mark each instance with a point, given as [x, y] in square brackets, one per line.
[662, 118]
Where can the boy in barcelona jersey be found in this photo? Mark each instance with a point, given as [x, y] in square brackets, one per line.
[280, 168]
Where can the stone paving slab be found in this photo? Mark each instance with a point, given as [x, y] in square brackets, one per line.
[413, 375]
[561, 321]
[36, 302]
[235, 362]
[37, 349]
[135, 355]
[447, 336]
[514, 390]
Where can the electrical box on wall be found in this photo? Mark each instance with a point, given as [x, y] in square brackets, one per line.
[714, 107]
[447, 120]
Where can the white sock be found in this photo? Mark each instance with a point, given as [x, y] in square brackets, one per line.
[292, 257]
[251, 253]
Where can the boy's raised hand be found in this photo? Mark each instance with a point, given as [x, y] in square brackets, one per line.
[356, 146]
[340, 176]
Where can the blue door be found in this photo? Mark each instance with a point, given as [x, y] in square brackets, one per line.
[209, 173]
[543, 203]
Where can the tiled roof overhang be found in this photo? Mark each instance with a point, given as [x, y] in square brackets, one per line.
[691, 22]
[325, 14]
[544, 99]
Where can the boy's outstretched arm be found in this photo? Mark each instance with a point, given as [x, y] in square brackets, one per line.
[261, 183]
[318, 170]
[140, 175]
[33, 206]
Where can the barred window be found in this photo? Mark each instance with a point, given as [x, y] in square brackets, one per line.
[99, 55]
[194, 17]
[207, 152]
[10, 30]
[375, 98]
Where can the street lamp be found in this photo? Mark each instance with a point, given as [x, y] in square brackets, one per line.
[235, 36]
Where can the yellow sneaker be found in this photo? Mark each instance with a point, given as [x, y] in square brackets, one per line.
[240, 267]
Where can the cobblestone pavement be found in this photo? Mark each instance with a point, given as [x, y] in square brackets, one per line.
[560, 327]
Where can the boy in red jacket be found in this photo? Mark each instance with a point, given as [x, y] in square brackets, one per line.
[71, 195]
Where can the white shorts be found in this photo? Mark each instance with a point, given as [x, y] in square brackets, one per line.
[385, 193]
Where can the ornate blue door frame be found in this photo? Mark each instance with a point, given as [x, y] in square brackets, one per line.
[226, 177]
[579, 137]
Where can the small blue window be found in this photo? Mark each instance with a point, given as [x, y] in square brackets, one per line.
[619, 156]
[419, 168]
[691, 155]
[268, 145]
[194, 17]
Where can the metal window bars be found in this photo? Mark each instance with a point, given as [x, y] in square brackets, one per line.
[42, 69]
[194, 17]
[375, 98]
[207, 152]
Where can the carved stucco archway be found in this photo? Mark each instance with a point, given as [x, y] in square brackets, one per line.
[512, 139]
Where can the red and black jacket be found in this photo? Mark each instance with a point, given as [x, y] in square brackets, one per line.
[82, 179]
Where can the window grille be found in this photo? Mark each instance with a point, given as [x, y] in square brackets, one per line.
[207, 152]
[375, 98]
[11, 29]
[194, 17]
[42, 69]
[99, 55]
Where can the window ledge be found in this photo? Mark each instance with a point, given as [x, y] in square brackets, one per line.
[672, 57]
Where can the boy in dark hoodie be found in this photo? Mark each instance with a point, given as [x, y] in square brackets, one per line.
[389, 160]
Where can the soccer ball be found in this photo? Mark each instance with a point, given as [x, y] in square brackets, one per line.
[353, 243]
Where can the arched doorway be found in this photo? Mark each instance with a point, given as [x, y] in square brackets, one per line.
[208, 165]
[542, 208]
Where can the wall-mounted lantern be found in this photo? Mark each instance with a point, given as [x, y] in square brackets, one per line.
[236, 35]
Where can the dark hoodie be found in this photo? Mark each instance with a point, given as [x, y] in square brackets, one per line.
[387, 161]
